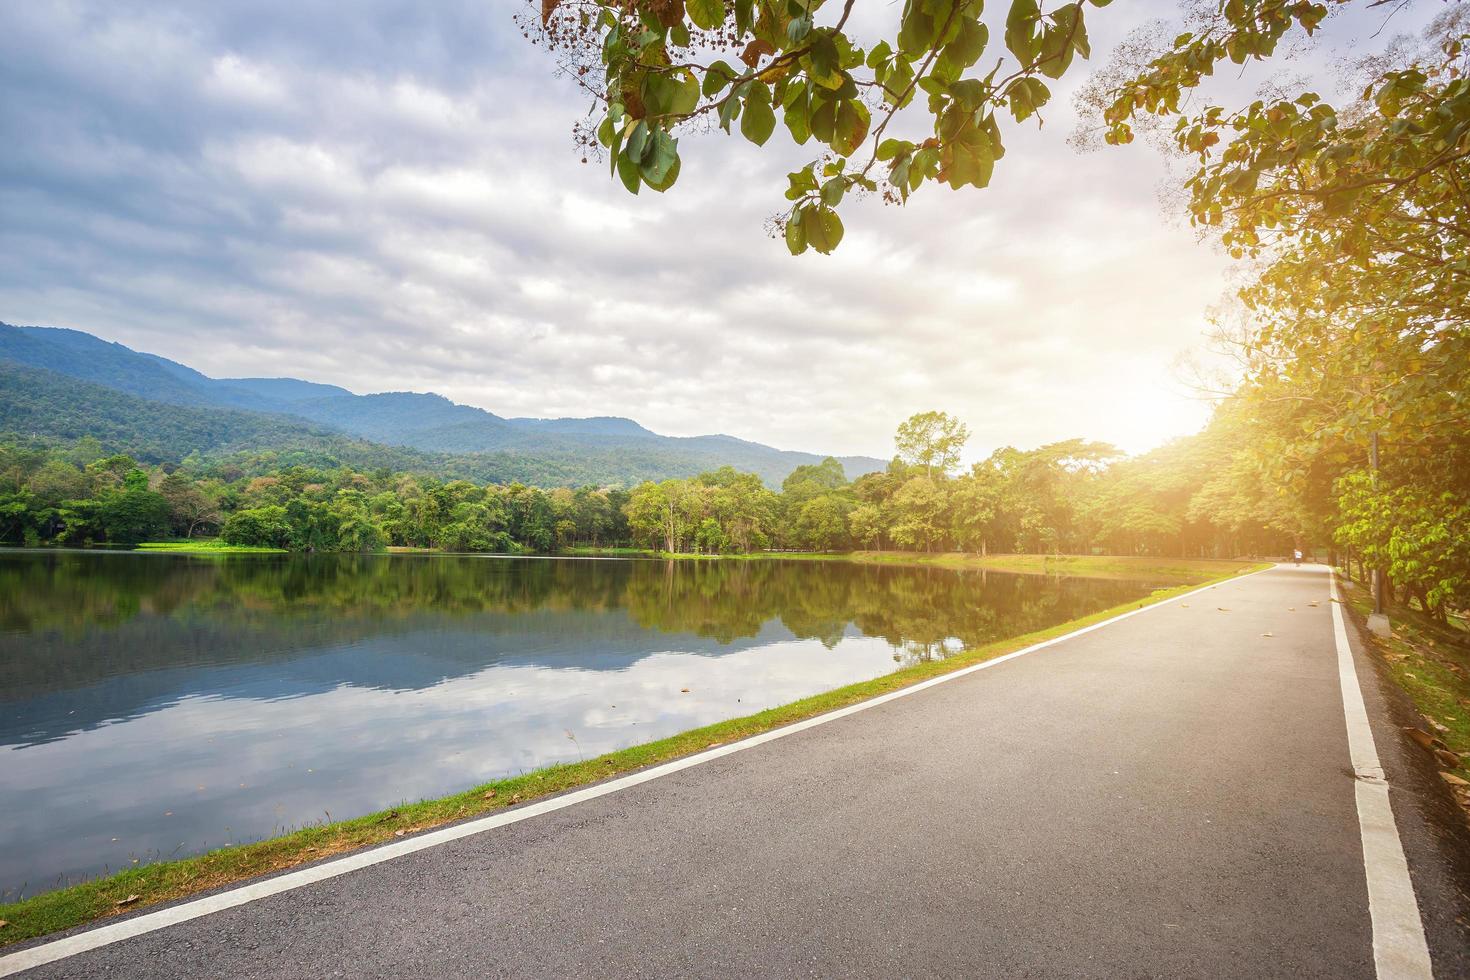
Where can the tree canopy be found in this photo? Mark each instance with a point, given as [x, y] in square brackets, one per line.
[929, 99]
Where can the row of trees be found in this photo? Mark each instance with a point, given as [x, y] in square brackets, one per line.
[1073, 496]
[71, 495]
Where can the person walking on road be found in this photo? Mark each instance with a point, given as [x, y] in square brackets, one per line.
[1296, 556]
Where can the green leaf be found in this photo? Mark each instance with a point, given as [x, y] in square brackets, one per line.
[659, 158]
[968, 44]
[916, 29]
[899, 176]
[823, 229]
[1070, 19]
[851, 127]
[799, 115]
[880, 53]
[668, 178]
[1025, 96]
[825, 60]
[615, 149]
[823, 119]
[833, 190]
[628, 173]
[803, 181]
[795, 234]
[717, 77]
[744, 10]
[891, 148]
[1021, 37]
[638, 141]
[1066, 35]
[684, 95]
[706, 14]
[729, 109]
[757, 120]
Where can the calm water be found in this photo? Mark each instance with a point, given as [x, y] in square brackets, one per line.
[160, 705]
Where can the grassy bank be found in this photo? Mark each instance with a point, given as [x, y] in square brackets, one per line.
[1431, 663]
[1090, 566]
[164, 881]
[208, 546]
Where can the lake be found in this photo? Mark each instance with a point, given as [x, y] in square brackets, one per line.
[160, 705]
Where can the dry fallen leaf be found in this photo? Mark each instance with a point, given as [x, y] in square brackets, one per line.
[398, 833]
[683, 690]
[515, 797]
[489, 794]
[1266, 634]
[1421, 736]
[1222, 609]
[1437, 726]
[4, 923]
[128, 901]
[1447, 758]
[1448, 777]
[1291, 608]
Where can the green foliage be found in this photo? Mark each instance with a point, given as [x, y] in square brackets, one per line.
[1419, 537]
[46, 499]
[932, 440]
[825, 86]
[933, 64]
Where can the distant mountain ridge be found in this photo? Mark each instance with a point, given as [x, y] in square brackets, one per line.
[618, 449]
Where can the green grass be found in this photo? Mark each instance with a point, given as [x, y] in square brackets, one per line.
[1431, 662]
[1091, 566]
[208, 546]
[168, 880]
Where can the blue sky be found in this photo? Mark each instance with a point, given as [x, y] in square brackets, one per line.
[384, 195]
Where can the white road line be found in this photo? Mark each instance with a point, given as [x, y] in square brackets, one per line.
[106, 935]
[1399, 949]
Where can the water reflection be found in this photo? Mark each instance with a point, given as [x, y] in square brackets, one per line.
[153, 705]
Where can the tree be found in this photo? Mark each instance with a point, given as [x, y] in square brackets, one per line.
[261, 526]
[976, 505]
[134, 514]
[932, 440]
[190, 508]
[644, 64]
[650, 71]
[865, 525]
[920, 513]
[821, 524]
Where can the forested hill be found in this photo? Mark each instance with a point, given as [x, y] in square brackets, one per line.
[75, 384]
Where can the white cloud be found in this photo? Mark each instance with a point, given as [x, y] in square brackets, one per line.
[387, 198]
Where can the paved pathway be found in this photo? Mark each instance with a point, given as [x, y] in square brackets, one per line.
[1170, 795]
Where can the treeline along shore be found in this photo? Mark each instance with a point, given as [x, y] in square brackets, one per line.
[1067, 497]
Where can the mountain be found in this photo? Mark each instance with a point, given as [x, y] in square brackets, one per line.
[59, 383]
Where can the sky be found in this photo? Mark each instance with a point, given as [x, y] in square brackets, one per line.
[385, 195]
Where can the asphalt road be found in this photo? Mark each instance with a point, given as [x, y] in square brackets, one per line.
[1168, 796]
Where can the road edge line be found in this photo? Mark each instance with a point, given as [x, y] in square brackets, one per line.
[106, 935]
[1400, 950]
